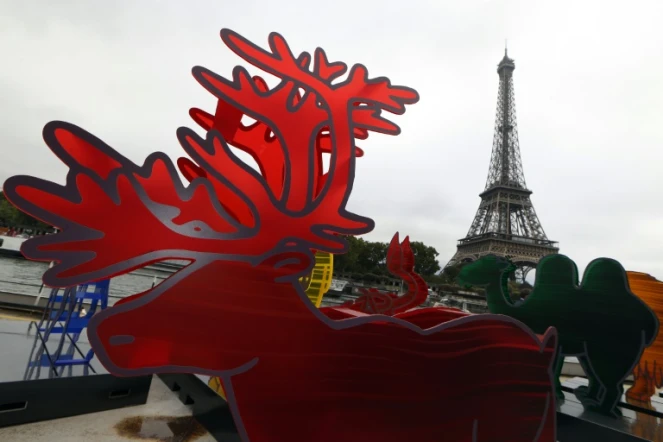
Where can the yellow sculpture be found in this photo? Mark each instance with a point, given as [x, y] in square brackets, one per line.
[215, 384]
[319, 281]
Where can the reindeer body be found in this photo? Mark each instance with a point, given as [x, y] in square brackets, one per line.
[277, 376]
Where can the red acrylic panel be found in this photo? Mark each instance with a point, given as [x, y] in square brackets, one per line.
[400, 263]
[291, 372]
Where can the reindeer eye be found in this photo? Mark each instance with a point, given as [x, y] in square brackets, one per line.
[197, 229]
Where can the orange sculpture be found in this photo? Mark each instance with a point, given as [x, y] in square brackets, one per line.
[648, 374]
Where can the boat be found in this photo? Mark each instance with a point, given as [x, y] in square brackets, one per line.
[11, 245]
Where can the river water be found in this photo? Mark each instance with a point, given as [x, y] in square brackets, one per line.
[24, 277]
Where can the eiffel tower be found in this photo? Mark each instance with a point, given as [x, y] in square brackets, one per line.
[506, 223]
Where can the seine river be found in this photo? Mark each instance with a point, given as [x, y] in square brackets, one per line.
[24, 277]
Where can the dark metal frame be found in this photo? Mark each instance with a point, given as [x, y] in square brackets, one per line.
[576, 429]
[209, 409]
[506, 223]
[574, 424]
[22, 402]
[507, 237]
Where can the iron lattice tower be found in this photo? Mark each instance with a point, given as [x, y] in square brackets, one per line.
[505, 223]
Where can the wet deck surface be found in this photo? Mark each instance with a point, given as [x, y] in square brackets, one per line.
[16, 346]
[162, 418]
[14, 315]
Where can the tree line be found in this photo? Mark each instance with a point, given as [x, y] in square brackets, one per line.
[368, 260]
[10, 216]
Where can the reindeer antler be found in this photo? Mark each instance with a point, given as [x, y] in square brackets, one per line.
[337, 100]
[228, 209]
[259, 141]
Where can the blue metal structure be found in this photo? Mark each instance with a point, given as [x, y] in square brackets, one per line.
[56, 335]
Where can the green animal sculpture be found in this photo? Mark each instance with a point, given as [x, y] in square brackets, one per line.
[599, 321]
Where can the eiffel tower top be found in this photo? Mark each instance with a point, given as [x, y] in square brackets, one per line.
[506, 63]
[506, 168]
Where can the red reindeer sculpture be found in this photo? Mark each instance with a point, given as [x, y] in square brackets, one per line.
[237, 311]
[400, 263]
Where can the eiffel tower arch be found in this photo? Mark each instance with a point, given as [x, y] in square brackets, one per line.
[506, 223]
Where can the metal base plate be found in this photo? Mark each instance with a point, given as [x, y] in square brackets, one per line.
[640, 422]
[22, 402]
[209, 409]
[574, 423]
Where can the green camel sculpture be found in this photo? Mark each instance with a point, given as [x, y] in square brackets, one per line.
[599, 321]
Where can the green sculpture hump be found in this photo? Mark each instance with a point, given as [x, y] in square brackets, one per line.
[599, 321]
[605, 275]
[557, 269]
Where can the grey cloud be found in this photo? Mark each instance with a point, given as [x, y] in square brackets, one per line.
[588, 91]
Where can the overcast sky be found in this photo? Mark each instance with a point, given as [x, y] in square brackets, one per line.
[588, 84]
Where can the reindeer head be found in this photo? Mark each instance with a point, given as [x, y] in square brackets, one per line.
[115, 216]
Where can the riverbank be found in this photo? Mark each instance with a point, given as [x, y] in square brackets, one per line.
[13, 315]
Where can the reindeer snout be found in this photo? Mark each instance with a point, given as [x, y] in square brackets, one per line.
[119, 346]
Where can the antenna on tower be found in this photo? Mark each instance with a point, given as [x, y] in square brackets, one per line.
[505, 46]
